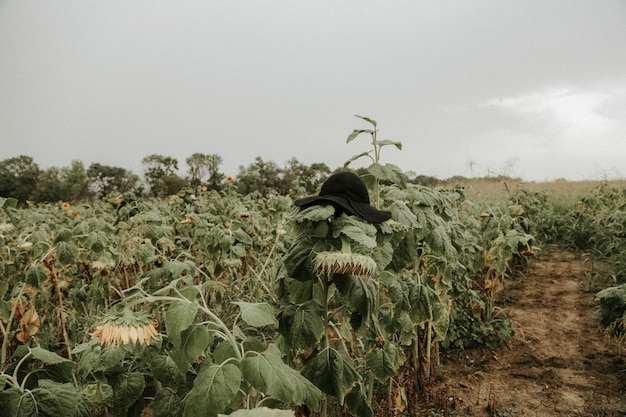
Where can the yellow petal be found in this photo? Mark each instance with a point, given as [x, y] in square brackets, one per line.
[133, 335]
[124, 332]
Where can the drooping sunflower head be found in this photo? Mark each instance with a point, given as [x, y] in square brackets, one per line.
[128, 328]
[334, 262]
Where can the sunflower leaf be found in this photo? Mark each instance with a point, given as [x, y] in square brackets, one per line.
[270, 375]
[257, 314]
[179, 316]
[333, 371]
[213, 390]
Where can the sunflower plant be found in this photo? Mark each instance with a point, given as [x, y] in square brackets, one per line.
[330, 293]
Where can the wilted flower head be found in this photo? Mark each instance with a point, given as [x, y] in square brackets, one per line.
[25, 245]
[28, 320]
[130, 327]
[328, 262]
[7, 228]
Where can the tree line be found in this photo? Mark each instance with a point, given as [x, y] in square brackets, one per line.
[22, 178]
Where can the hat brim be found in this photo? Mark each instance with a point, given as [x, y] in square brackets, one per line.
[362, 210]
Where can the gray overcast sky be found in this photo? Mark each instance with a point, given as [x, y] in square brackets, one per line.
[532, 88]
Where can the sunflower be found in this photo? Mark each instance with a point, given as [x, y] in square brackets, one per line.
[129, 328]
[65, 205]
[328, 262]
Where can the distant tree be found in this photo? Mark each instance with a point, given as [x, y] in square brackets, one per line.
[157, 167]
[51, 187]
[107, 179]
[172, 184]
[77, 182]
[18, 178]
[259, 176]
[63, 184]
[315, 176]
[426, 180]
[308, 177]
[204, 169]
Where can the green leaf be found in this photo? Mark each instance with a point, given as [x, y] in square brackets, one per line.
[612, 304]
[56, 399]
[356, 401]
[167, 404]
[63, 235]
[428, 307]
[367, 119]
[47, 357]
[440, 241]
[67, 252]
[359, 231]
[355, 157]
[257, 314]
[333, 371]
[179, 316]
[401, 213]
[422, 299]
[387, 142]
[17, 403]
[398, 294]
[315, 213]
[110, 357]
[302, 325]
[242, 237]
[60, 372]
[359, 295]
[358, 235]
[298, 261]
[179, 268]
[388, 173]
[127, 388]
[88, 362]
[382, 361]
[213, 390]
[8, 202]
[357, 132]
[97, 241]
[35, 275]
[165, 370]
[192, 344]
[223, 352]
[270, 375]
[299, 291]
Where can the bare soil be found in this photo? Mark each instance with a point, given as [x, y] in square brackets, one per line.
[560, 362]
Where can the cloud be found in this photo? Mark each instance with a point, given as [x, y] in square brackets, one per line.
[571, 116]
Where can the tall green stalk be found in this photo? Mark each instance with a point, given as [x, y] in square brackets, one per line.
[373, 155]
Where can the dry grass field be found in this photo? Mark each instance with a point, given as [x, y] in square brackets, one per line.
[501, 190]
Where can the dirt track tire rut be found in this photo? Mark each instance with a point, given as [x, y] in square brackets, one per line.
[559, 363]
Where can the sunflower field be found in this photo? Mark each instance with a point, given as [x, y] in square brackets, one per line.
[214, 303]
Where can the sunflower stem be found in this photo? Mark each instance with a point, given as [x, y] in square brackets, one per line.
[326, 278]
[6, 330]
[345, 244]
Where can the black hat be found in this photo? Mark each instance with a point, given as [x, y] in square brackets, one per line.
[347, 193]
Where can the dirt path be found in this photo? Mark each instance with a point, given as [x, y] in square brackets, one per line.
[559, 362]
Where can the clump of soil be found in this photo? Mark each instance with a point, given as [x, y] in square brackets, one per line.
[560, 362]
